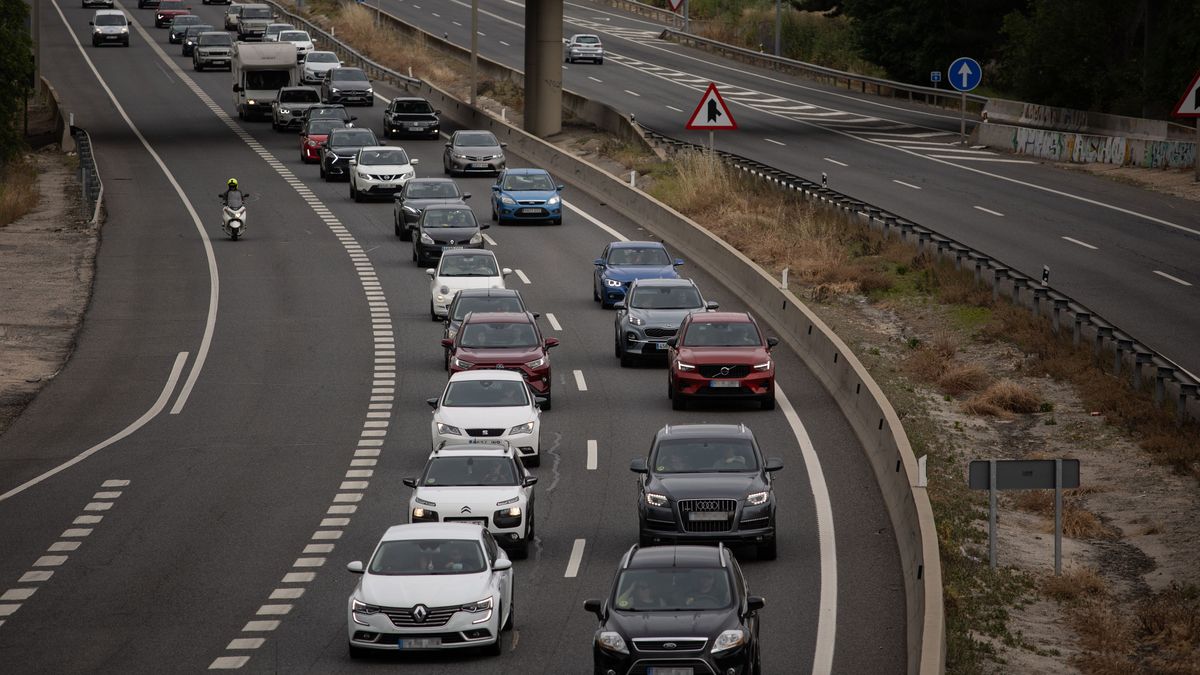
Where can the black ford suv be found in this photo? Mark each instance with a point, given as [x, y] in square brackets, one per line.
[707, 483]
[411, 115]
[677, 609]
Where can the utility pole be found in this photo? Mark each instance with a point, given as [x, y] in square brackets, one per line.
[35, 26]
[687, 21]
[778, 25]
[474, 49]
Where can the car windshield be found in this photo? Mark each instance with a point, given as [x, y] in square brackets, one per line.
[382, 157]
[170, 4]
[321, 57]
[294, 36]
[498, 336]
[695, 455]
[722, 334]
[255, 12]
[322, 127]
[468, 266]
[672, 590]
[333, 112]
[352, 138]
[431, 190]
[185, 20]
[445, 218]
[109, 20]
[216, 40]
[193, 31]
[299, 96]
[477, 139]
[630, 255]
[412, 107]
[271, 80]
[486, 394]
[587, 39]
[428, 556]
[669, 297]
[469, 472]
[527, 181]
[502, 303]
[348, 75]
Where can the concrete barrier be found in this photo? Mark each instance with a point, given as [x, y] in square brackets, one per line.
[62, 131]
[1033, 115]
[1079, 148]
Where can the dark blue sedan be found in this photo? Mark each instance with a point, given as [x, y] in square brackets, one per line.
[625, 261]
[526, 194]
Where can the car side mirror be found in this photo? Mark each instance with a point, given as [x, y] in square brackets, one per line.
[537, 315]
[448, 343]
[595, 607]
[355, 567]
[237, 87]
[91, 23]
[504, 145]
[501, 565]
[772, 341]
[433, 402]
[414, 161]
[437, 112]
[551, 342]
[599, 262]
[466, 196]
[529, 481]
[431, 271]
[506, 271]
[678, 262]
[485, 226]
[620, 304]
[410, 482]
[672, 342]
[561, 187]
[495, 188]
[353, 162]
[712, 305]
[540, 400]
[774, 464]
[353, 117]
[638, 465]
[447, 144]
[755, 603]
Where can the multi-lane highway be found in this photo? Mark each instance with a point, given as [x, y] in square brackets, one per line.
[236, 419]
[1127, 253]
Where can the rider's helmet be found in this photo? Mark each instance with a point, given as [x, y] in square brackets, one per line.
[231, 184]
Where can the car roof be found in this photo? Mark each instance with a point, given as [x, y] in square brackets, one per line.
[638, 244]
[527, 172]
[485, 374]
[431, 179]
[367, 148]
[480, 448]
[487, 292]
[108, 11]
[451, 530]
[455, 252]
[675, 556]
[664, 282]
[299, 87]
[704, 431]
[448, 207]
[721, 317]
[499, 317]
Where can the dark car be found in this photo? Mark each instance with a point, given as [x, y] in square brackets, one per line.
[720, 355]
[191, 36]
[479, 300]
[329, 111]
[419, 193]
[313, 135]
[143, 4]
[347, 85]
[179, 26]
[290, 105]
[507, 341]
[623, 262]
[651, 313]
[707, 483]
[341, 145]
[167, 11]
[411, 115]
[442, 227]
[677, 609]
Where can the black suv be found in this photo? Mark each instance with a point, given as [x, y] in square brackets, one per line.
[707, 483]
[411, 115]
[340, 147]
[677, 609]
[444, 227]
[479, 300]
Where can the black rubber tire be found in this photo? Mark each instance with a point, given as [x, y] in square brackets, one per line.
[617, 351]
[767, 551]
[234, 234]
[558, 221]
[768, 402]
[628, 360]
[357, 652]
[521, 551]
[196, 66]
[644, 541]
[534, 461]
[354, 193]
[322, 170]
[446, 360]
[433, 315]
[546, 405]
[678, 402]
[595, 293]
[511, 622]
[495, 216]
[494, 649]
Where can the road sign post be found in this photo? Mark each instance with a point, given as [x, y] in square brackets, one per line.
[964, 75]
[935, 76]
[1189, 106]
[1024, 474]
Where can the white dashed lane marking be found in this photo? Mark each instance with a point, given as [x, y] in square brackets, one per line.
[994, 213]
[575, 559]
[834, 161]
[579, 381]
[907, 185]
[1176, 279]
[553, 322]
[592, 459]
[1080, 243]
[521, 275]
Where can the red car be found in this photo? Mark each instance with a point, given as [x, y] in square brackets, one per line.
[314, 133]
[506, 341]
[167, 11]
[721, 355]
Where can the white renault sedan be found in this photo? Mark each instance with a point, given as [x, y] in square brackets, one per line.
[459, 269]
[431, 586]
[489, 405]
[482, 482]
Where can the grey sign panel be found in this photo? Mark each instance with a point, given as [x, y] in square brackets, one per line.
[1023, 474]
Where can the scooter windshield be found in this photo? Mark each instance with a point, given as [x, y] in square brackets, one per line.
[234, 200]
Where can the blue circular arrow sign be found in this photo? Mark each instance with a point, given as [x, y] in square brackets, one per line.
[964, 74]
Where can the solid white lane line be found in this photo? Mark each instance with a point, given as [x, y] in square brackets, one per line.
[827, 159]
[595, 80]
[633, 93]
[553, 322]
[907, 185]
[1172, 278]
[521, 275]
[489, 240]
[592, 458]
[1009, 161]
[576, 558]
[994, 213]
[771, 140]
[579, 381]
[595, 221]
[674, 108]
[1080, 243]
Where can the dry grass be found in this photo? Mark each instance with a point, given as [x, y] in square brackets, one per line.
[18, 190]
[960, 378]
[1074, 585]
[1003, 399]
[1078, 522]
[1160, 635]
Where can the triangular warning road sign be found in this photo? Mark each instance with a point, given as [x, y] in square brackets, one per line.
[675, 4]
[712, 114]
[1189, 105]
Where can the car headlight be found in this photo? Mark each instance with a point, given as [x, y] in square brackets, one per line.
[459, 363]
[728, 640]
[656, 499]
[124, 29]
[536, 363]
[370, 90]
[424, 502]
[476, 239]
[458, 156]
[553, 201]
[636, 321]
[478, 606]
[507, 201]
[426, 239]
[364, 176]
[611, 641]
[513, 512]
[612, 283]
[763, 366]
[333, 90]
[359, 608]
[686, 367]
[757, 498]
[526, 428]
[285, 111]
[251, 102]
[449, 429]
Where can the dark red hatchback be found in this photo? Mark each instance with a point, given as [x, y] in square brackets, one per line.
[721, 355]
[504, 341]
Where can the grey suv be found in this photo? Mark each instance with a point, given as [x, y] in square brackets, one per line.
[650, 315]
[213, 50]
[289, 106]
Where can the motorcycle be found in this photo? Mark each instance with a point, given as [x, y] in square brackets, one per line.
[233, 214]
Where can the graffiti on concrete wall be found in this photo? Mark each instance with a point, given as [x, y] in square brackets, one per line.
[1117, 150]
[1049, 117]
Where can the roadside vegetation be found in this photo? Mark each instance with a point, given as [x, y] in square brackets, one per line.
[18, 175]
[18, 189]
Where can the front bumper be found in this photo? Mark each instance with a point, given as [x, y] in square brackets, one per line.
[748, 525]
[458, 632]
[348, 97]
[381, 188]
[638, 342]
[737, 662]
[216, 60]
[401, 127]
[110, 38]
[434, 251]
[337, 167]
[494, 165]
[754, 385]
[530, 212]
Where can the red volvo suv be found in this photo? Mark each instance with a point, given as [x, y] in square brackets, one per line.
[721, 355]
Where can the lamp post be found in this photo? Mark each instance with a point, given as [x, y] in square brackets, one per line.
[778, 24]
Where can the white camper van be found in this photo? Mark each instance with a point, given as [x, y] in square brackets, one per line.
[259, 70]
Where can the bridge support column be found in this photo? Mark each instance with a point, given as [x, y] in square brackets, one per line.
[543, 67]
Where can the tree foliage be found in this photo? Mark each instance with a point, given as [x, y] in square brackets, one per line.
[16, 66]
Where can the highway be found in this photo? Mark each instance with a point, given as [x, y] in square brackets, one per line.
[236, 419]
[1127, 253]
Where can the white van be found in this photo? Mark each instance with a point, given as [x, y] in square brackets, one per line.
[109, 26]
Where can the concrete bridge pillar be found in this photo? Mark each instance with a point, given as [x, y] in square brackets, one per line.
[543, 67]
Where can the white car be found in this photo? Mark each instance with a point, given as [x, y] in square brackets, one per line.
[303, 42]
[483, 483]
[380, 171]
[459, 269]
[583, 47]
[489, 404]
[316, 64]
[431, 586]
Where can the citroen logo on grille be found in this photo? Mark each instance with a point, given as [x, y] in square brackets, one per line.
[465, 509]
[420, 613]
[668, 645]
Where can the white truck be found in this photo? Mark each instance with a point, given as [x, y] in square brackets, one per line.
[259, 70]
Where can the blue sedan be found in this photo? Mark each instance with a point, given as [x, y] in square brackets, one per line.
[625, 261]
[526, 194]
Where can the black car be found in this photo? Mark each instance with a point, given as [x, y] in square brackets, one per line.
[707, 483]
[179, 26]
[191, 36]
[480, 300]
[442, 227]
[677, 609]
[341, 145]
[143, 4]
[347, 85]
[419, 193]
[329, 111]
[411, 115]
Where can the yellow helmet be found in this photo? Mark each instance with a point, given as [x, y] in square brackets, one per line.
[232, 183]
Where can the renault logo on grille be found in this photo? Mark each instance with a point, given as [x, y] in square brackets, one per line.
[465, 509]
[420, 613]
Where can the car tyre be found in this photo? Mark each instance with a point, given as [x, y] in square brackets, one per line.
[357, 652]
[446, 360]
[496, 648]
[767, 551]
[432, 314]
[644, 541]
[768, 402]
[323, 177]
[546, 405]
[677, 400]
[534, 461]
[354, 194]
[495, 216]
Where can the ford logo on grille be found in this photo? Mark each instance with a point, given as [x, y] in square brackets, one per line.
[420, 613]
[668, 645]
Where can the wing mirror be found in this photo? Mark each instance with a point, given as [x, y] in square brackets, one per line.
[672, 342]
[237, 87]
[540, 401]
[431, 271]
[772, 341]
[414, 161]
[529, 481]
[774, 464]
[501, 565]
[353, 162]
[495, 188]
[355, 567]
[755, 603]
[537, 315]
[353, 117]
[712, 305]
[638, 465]
[620, 304]
[678, 262]
[485, 226]
[504, 145]
[599, 262]
[466, 196]
[561, 187]
[433, 402]
[595, 607]
[410, 482]
[506, 271]
[448, 343]
[447, 144]
[551, 342]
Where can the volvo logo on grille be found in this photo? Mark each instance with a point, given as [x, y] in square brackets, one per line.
[724, 370]
[465, 509]
[420, 613]
[668, 645]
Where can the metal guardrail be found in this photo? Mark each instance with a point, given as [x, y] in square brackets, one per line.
[1130, 356]
[89, 174]
[642, 9]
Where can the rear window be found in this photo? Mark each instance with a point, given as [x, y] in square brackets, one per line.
[503, 303]
[255, 13]
[352, 137]
[294, 36]
[438, 190]
[324, 126]
[587, 40]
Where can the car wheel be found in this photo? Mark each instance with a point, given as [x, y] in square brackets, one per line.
[534, 461]
[354, 193]
[497, 647]
[677, 400]
[511, 621]
[595, 293]
[521, 551]
[546, 405]
[605, 304]
[558, 221]
[768, 402]
[617, 351]
[767, 551]
[433, 315]
[357, 652]
[446, 360]
[196, 66]
[495, 216]
[599, 62]
[322, 170]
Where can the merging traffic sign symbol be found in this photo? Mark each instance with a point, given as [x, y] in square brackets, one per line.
[1189, 105]
[712, 114]
[964, 74]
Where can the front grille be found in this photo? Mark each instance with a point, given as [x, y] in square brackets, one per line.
[726, 507]
[713, 371]
[402, 616]
[480, 520]
[532, 202]
[678, 644]
[384, 176]
[485, 432]
[754, 523]
[661, 332]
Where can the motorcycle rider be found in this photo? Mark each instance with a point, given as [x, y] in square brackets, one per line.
[231, 186]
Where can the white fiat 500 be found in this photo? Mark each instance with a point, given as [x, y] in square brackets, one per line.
[489, 405]
[431, 586]
[459, 269]
[482, 483]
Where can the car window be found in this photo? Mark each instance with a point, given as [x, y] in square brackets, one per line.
[256, 13]
[348, 75]
[216, 40]
[352, 137]
[109, 20]
[193, 31]
[438, 190]
[267, 79]
[527, 181]
[411, 107]
[633, 255]
[448, 218]
[721, 334]
[468, 266]
[320, 127]
[498, 336]
[185, 20]
[327, 112]
[674, 589]
[489, 542]
[502, 303]
[469, 472]
[428, 556]
[486, 394]
[294, 35]
[673, 297]
[727, 455]
[382, 157]
[299, 96]
[475, 139]
[321, 57]
[587, 39]
[170, 4]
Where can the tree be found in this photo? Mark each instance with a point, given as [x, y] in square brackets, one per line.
[16, 69]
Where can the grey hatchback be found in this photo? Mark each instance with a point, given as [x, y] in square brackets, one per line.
[473, 152]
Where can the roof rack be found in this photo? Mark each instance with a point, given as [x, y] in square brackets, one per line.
[629, 556]
[721, 552]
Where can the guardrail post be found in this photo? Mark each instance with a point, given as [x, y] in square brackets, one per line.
[1140, 358]
[1102, 333]
[999, 274]
[922, 239]
[1123, 345]
[1080, 319]
[959, 254]
[1018, 284]
[1161, 375]
[1186, 390]
[980, 263]
[1059, 305]
[1038, 293]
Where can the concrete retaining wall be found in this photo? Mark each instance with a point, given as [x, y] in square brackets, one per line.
[1082, 148]
[1018, 113]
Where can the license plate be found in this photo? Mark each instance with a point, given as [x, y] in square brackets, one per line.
[708, 515]
[529, 211]
[660, 346]
[480, 165]
[218, 62]
[420, 643]
[451, 248]
[724, 384]
[673, 670]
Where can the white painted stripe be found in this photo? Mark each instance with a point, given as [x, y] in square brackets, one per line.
[274, 610]
[633, 93]
[827, 159]
[245, 643]
[907, 185]
[325, 535]
[106, 495]
[286, 593]
[579, 381]
[348, 497]
[595, 79]
[576, 558]
[228, 662]
[489, 240]
[8, 610]
[17, 594]
[553, 322]
[771, 140]
[1022, 161]
[309, 562]
[50, 561]
[35, 575]
[376, 433]
[960, 153]
[77, 532]
[299, 577]
[98, 506]
[317, 548]
[360, 473]
[375, 423]
[1080, 243]
[114, 483]
[87, 520]
[674, 108]
[260, 626]
[521, 275]
[340, 509]
[62, 546]
[505, 43]
[994, 213]
[1172, 278]
[335, 522]
[591, 455]
[363, 462]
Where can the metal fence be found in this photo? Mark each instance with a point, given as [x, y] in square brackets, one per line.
[89, 175]
[1130, 358]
